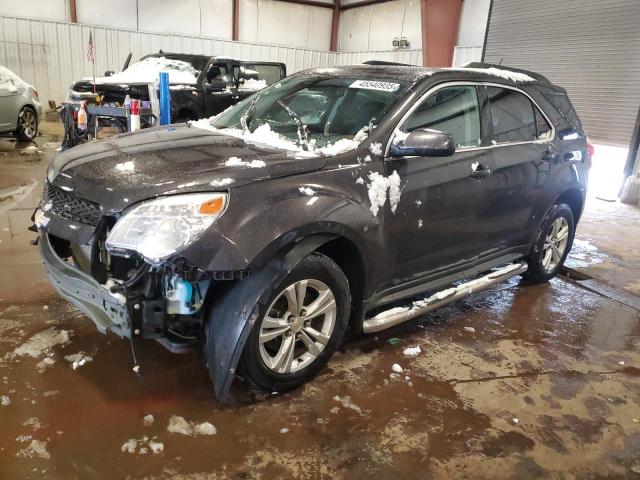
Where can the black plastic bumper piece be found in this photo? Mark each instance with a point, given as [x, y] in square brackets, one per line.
[93, 299]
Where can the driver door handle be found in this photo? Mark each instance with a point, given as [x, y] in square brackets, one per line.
[479, 171]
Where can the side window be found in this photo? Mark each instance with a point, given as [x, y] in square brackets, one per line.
[268, 73]
[453, 110]
[512, 115]
[542, 126]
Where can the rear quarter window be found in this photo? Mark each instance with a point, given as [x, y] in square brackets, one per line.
[561, 103]
[512, 115]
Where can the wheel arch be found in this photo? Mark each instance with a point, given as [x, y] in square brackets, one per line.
[575, 199]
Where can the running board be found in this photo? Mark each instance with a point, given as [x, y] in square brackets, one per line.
[395, 316]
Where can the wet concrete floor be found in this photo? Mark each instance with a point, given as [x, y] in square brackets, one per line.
[521, 381]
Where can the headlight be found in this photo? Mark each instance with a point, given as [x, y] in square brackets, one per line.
[160, 227]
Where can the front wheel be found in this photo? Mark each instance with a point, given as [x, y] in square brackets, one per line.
[553, 244]
[301, 327]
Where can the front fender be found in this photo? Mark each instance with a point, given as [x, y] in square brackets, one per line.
[235, 310]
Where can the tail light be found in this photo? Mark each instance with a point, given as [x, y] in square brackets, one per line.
[590, 151]
[35, 94]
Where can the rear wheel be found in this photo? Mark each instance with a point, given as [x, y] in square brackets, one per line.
[553, 244]
[301, 327]
[27, 124]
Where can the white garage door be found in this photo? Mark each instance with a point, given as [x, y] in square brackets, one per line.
[589, 47]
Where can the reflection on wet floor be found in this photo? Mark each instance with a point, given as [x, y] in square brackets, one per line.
[521, 381]
[545, 384]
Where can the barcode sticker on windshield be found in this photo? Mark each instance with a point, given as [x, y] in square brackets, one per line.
[374, 85]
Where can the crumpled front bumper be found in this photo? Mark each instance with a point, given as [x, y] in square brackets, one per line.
[104, 310]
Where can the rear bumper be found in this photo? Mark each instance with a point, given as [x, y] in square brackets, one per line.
[93, 299]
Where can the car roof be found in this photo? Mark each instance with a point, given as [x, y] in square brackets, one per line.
[413, 74]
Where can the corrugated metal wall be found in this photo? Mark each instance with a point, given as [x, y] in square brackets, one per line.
[589, 47]
[51, 55]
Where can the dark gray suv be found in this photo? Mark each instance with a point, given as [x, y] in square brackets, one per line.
[344, 198]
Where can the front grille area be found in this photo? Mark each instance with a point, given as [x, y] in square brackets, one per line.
[59, 202]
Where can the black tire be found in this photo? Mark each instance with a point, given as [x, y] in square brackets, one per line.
[314, 267]
[27, 126]
[537, 273]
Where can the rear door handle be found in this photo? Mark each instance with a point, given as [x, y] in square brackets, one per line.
[479, 171]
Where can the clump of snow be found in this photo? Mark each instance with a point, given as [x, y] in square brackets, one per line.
[474, 166]
[42, 342]
[375, 148]
[223, 182]
[411, 351]
[499, 72]
[156, 447]
[253, 84]
[77, 360]
[307, 191]
[32, 422]
[400, 136]
[234, 162]
[284, 430]
[110, 283]
[360, 181]
[469, 329]
[148, 420]
[419, 223]
[142, 446]
[341, 146]
[397, 368]
[148, 71]
[129, 446]
[182, 426]
[205, 428]
[5, 401]
[381, 187]
[362, 134]
[257, 164]
[238, 162]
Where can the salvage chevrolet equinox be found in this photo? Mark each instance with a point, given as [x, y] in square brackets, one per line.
[339, 198]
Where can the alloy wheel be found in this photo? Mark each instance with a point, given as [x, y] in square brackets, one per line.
[297, 326]
[555, 244]
[28, 123]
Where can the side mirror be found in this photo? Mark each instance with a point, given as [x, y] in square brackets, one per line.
[108, 73]
[215, 86]
[424, 142]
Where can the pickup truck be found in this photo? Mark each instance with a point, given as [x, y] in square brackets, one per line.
[201, 85]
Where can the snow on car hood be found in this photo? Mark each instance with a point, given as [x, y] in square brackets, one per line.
[147, 71]
[128, 168]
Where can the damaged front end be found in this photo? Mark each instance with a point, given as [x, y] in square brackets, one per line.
[125, 273]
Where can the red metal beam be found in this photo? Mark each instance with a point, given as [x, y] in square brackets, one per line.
[73, 13]
[439, 21]
[335, 26]
[235, 22]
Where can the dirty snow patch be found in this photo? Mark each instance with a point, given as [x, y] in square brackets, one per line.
[5, 401]
[237, 162]
[411, 351]
[142, 446]
[347, 403]
[42, 342]
[223, 182]
[148, 420]
[182, 426]
[40, 449]
[397, 368]
[284, 430]
[43, 364]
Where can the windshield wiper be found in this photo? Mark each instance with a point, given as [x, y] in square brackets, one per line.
[303, 134]
[246, 117]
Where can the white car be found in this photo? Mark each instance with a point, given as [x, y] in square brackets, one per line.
[20, 107]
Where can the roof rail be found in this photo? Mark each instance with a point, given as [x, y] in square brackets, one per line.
[537, 76]
[384, 62]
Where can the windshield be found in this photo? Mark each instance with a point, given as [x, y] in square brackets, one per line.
[314, 112]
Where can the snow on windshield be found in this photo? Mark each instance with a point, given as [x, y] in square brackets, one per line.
[265, 136]
[147, 71]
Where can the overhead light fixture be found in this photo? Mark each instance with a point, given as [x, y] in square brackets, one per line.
[396, 43]
[404, 43]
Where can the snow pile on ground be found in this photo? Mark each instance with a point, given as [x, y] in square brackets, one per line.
[307, 191]
[148, 70]
[142, 446]
[411, 351]
[42, 342]
[381, 187]
[253, 85]
[500, 72]
[77, 360]
[182, 426]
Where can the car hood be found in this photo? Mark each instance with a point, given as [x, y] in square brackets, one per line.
[128, 168]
